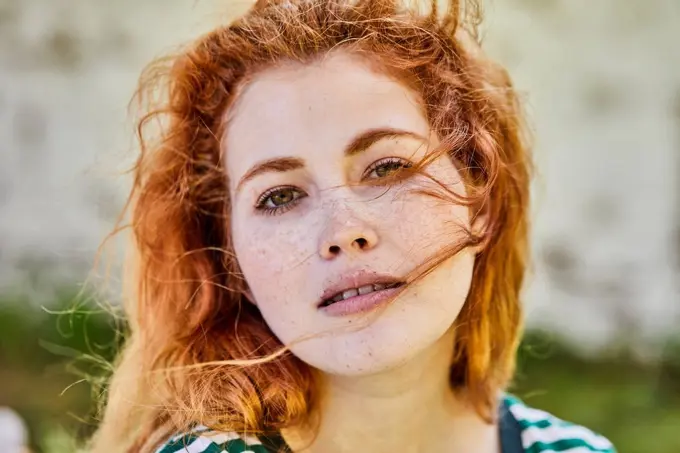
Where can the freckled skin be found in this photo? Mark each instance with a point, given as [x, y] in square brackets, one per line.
[312, 112]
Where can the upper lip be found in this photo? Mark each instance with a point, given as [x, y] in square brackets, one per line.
[355, 279]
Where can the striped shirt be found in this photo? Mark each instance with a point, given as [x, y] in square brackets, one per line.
[522, 430]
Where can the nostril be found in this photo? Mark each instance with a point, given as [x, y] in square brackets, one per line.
[361, 242]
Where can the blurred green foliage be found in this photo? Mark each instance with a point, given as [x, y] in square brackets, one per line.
[49, 358]
[49, 361]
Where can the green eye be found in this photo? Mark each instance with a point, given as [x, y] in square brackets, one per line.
[386, 166]
[386, 169]
[282, 197]
[279, 199]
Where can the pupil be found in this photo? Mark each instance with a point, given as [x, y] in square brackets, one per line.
[283, 197]
[383, 170]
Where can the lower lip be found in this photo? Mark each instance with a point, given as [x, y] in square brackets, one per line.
[359, 304]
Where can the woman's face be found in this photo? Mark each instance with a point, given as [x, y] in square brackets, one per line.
[297, 139]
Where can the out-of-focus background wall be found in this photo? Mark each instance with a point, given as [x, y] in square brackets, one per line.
[601, 82]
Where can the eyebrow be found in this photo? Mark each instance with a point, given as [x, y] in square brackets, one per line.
[360, 143]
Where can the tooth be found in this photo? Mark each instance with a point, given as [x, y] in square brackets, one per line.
[350, 293]
[337, 298]
[379, 286]
[366, 289]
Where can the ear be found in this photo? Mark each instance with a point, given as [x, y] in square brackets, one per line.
[478, 226]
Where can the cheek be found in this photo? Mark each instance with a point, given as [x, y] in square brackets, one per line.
[272, 256]
[429, 223]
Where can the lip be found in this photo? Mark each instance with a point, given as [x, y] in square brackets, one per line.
[357, 279]
[359, 304]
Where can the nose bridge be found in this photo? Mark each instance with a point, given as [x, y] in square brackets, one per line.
[347, 229]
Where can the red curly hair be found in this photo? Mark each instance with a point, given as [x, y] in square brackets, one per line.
[191, 331]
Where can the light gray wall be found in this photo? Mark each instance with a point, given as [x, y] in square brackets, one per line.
[602, 85]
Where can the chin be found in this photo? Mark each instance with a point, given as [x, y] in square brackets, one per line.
[389, 342]
[356, 363]
[412, 326]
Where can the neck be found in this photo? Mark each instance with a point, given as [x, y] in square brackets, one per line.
[409, 409]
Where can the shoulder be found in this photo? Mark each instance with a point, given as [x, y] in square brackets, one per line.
[204, 440]
[544, 432]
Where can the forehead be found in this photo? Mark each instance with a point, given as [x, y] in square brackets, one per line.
[301, 110]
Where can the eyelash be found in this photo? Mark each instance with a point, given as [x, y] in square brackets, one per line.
[262, 200]
[260, 204]
[387, 160]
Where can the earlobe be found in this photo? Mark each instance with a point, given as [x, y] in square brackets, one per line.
[479, 248]
[479, 229]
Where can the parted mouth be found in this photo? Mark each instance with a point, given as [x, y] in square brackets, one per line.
[353, 292]
[332, 296]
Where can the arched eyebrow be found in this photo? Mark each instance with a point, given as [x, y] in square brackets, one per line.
[361, 142]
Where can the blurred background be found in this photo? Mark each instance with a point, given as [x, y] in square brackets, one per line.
[601, 83]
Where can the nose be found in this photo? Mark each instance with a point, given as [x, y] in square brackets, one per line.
[349, 237]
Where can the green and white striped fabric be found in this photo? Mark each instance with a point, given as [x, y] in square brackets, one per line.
[540, 432]
[202, 440]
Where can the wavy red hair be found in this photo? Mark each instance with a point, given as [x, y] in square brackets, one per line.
[189, 323]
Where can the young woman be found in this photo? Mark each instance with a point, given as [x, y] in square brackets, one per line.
[331, 236]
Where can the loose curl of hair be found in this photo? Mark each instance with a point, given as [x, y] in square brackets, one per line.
[197, 351]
